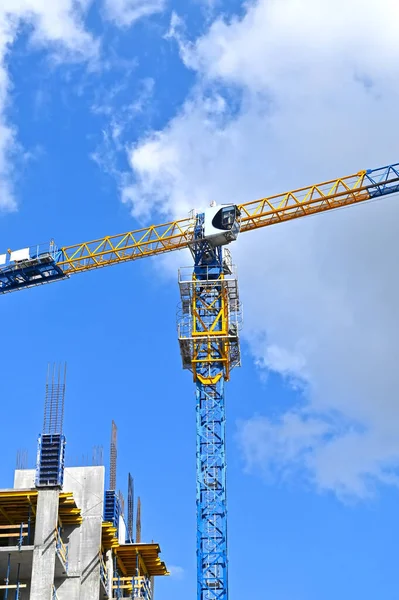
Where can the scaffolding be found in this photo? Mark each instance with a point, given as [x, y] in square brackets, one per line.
[61, 549]
[132, 587]
[18, 533]
[17, 586]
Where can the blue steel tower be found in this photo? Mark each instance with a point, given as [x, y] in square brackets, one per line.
[208, 336]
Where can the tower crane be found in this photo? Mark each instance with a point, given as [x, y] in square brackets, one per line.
[209, 319]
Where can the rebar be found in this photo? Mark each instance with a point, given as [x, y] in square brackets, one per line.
[130, 507]
[138, 522]
[55, 399]
[113, 457]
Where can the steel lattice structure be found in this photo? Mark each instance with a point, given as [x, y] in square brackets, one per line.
[208, 326]
[46, 263]
[208, 335]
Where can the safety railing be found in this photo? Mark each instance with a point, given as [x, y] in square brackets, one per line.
[23, 256]
[103, 573]
[122, 587]
[62, 550]
[132, 587]
[142, 588]
[14, 535]
[14, 587]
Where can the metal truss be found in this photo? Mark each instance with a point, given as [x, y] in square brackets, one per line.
[51, 264]
[208, 327]
[212, 580]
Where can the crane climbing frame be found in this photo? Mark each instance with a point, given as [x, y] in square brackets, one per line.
[209, 321]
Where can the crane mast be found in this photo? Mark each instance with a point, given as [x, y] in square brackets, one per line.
[208, 335]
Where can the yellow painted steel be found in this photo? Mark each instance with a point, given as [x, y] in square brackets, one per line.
[138, 584]
[61, 547]
[304, 201]
[127, 554]
[175, 235]
[149, 562]
[110, 250]
[15, 506]
[109, 535]
[210, 328]
[200, 303]
[209, 380]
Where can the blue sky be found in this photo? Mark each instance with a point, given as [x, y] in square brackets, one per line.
[111, 118]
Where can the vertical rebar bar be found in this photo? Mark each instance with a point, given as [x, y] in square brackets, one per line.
[138, 522]
[113, 457]
[55, 399]
[97, 456]
[130, 507]
[121, 502]
[22, 458]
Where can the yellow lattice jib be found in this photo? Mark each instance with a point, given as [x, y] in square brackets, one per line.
[149, 241]
[303, 201]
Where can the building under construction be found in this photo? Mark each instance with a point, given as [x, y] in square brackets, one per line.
[63, 532]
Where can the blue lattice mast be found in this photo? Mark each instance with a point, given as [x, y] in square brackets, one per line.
[51, 444]
[208, 336]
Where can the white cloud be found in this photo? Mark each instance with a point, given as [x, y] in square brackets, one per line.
[176, 571]
[289, 443]
[126, 12]
[59, 22]
[293, 93]
[58, 25]
[335, 455]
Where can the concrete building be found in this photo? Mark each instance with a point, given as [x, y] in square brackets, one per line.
[56, 544]
[63, 534]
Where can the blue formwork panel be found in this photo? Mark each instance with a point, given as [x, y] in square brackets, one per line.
[111, 508]
[50, 460]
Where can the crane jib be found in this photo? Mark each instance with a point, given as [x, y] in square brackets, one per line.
[30, 267]
[294, 205]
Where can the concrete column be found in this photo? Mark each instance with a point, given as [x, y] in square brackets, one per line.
[92, 489]
[109, 563]
[43, 566]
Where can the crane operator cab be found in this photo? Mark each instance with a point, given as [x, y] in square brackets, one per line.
[221, 225]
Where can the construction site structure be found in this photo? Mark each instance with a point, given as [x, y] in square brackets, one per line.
[63, 534]
[209, 317]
